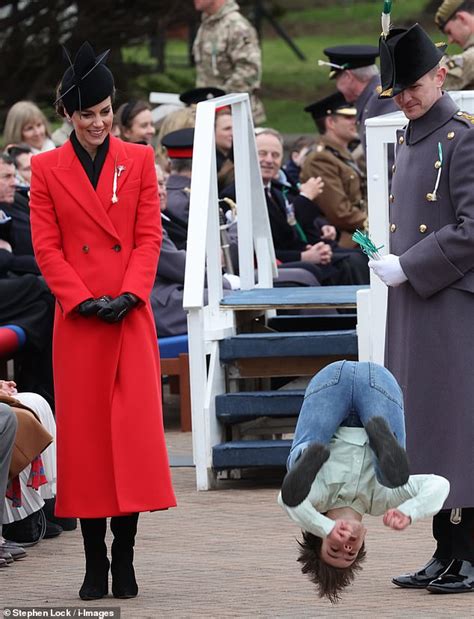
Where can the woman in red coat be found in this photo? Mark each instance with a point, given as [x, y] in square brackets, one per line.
[96, 231]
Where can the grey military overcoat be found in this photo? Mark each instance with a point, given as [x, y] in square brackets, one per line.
[368, 105]
[430, 320]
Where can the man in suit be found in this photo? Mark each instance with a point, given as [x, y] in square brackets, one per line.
[430, 275]
[293, 247]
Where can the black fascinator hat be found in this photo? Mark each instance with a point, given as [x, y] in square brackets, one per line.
[87, 81]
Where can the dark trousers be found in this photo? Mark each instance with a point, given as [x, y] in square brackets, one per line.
[454, 541]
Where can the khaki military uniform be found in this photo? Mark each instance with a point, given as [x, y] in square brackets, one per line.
[342, 200]
[227, 55]
[461, 68]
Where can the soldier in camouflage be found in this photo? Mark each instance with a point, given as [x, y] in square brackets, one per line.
[227, 52]
[455, 18]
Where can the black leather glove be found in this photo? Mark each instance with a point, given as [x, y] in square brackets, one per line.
[116, 309]
[90, 307]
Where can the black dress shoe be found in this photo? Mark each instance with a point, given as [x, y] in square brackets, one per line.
[422, 578]
[459, 578]
[67, 524]
[52, 530]
[391, 456]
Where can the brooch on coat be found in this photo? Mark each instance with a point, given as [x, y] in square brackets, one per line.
[118, 171]
[433, 196]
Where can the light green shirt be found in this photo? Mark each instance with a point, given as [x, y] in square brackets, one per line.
[348, 479]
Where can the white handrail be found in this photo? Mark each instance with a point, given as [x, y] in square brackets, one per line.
[208, 324]
[253, 225]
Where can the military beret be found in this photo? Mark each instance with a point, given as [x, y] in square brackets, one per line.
[345, 57]
[179, 144]
[196, 95]
[87, 81]
[406, 54]
[446, 12]
[334, 104]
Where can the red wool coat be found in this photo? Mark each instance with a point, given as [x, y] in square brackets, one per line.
[111, 450]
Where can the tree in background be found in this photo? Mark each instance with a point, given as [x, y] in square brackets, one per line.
[32, 32]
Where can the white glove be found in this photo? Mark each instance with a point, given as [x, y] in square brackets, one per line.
[233, 280]
[388, 269]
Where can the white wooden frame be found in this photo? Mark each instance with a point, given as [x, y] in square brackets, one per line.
[209, 324]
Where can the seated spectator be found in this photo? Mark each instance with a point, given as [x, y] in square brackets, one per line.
[179, 147]
[17, 520]
[24, 297]
[8, 425]
[299, 150]
[20, 155]
[291, 244]
[184, 118]
[16, 249]
[135, 122]
[224, 147]
[343, 200]
[224, 136]
[25, 122]
[27, 303]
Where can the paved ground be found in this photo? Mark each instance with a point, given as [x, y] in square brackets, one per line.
[231, 553]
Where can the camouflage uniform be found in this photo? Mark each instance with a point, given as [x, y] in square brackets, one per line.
[227, 55]
[461, 68]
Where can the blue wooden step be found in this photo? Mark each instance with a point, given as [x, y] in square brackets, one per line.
[311, 296]
[298, 344]
[248, 454]
[247, 405]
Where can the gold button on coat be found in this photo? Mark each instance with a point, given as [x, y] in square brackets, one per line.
[401, 139]
[393, 227]
[438, 165]
[451, 135]
[423, 228]
[85, 249]
[394, 167]
[430, 197]
[391, 197]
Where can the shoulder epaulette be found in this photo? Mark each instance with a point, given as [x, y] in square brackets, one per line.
[465, 116]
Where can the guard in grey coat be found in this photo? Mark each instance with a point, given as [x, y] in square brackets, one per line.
[430, 271]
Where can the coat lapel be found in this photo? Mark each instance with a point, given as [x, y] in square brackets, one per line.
[116, 159]
[71, 175]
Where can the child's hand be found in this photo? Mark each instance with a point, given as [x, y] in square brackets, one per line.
[394, 519]
[344, 531]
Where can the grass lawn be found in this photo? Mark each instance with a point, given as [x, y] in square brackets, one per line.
[288, 83]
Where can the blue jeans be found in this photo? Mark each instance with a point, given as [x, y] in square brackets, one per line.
[347, 393]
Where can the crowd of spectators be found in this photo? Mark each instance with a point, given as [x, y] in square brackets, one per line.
[315, 200]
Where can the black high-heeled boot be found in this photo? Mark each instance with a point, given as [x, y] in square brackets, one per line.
[96, 580]
[124, 529]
